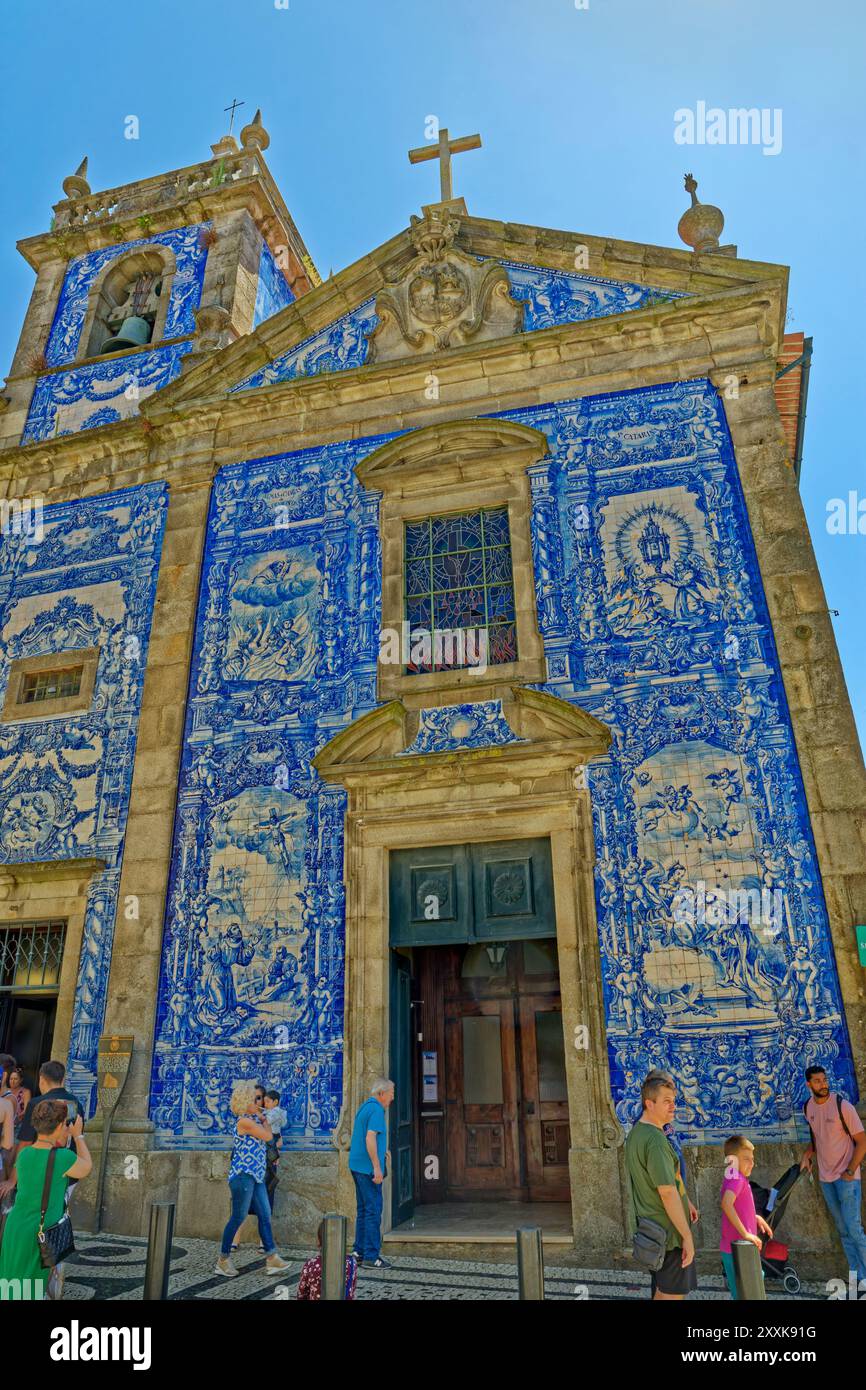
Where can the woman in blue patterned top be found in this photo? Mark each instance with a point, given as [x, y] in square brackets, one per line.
[247, 1180]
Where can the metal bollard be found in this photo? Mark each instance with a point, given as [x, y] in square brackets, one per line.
[334, 1258]
[747, 1272]
[158, 1268]
[530, 1263]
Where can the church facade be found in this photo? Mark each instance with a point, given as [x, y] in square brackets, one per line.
[423, 673]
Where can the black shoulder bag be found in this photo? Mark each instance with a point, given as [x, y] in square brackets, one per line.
[56, 1242]
[649, 1238]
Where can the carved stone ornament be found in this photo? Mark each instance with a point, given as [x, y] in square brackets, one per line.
[442, 298]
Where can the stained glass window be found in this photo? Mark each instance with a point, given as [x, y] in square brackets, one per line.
[459, 595]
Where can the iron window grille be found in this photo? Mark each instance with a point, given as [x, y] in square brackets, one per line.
[31, 954]
[458, 587]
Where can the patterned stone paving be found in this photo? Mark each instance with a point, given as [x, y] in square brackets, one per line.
[112, 1267]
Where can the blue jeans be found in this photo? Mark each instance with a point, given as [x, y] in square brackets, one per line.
[368, 1223]
[843, 1200]
[248, 1195]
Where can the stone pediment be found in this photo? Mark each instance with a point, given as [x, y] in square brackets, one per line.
[520, 725]
[386, 307]
[459, 443]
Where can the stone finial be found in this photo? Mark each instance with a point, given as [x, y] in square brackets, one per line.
[76, 185]
[700, 225]
[254, 136]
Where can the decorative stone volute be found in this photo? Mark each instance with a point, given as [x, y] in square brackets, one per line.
[254, 136]
[76, 185]
[700, 225]
[212, 332]
[443, 298]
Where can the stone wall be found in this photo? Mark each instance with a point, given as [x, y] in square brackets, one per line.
[191, 430]
[86, 585]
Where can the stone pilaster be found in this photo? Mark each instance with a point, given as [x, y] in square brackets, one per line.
[821, 714]
[146, 862]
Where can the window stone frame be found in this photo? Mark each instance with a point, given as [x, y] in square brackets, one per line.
[14, 709]
[462, 465]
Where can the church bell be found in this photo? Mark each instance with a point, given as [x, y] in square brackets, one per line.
[133, 332]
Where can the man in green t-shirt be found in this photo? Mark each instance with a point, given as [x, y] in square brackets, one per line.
[657, 1189]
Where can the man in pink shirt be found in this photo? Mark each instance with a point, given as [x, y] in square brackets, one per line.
[839, 1142]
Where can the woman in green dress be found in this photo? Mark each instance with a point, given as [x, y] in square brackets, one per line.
[22, 1274]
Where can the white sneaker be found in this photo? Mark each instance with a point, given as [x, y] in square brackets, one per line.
[274, 1265]
[225, 1267]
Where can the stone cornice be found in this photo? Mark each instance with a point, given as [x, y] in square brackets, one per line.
[735, 330]
[39, 870]
[666, 322]
[255, 190]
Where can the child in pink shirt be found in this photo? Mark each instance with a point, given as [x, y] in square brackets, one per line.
[740, 1221]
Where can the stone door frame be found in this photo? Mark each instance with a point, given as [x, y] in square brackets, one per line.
[398, 800]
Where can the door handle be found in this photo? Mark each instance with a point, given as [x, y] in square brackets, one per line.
[530, 1107]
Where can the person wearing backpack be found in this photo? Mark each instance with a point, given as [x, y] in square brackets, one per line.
[839, 1143]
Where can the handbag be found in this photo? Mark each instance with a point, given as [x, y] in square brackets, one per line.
[56, 1242]
[649, 1244]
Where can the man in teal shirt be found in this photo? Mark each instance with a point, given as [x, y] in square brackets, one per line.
[367, 1155]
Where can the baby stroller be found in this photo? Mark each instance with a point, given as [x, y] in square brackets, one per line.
[770, 1203]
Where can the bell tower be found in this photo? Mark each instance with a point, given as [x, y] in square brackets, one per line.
[136, 284]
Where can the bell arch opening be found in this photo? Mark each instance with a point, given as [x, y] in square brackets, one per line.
[130, 303]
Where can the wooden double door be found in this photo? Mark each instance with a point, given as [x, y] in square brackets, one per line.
[477, 1049]
[506, 1102]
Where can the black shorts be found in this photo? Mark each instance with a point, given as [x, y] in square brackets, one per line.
[672, 1278]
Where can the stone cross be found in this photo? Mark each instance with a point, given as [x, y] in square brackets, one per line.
[235, 104]
[443, 152]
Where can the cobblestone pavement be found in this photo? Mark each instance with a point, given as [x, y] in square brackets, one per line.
[112, 1267]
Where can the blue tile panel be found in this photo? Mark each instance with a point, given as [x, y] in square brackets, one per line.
[454, 728]
[272, 291]
[653, 618]
[551, 297]
[561, 296]
[190, 253]
[285, 656]
[65, 781]
[99, 394]
[336, 348]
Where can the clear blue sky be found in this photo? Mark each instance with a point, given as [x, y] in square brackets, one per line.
[575, 108]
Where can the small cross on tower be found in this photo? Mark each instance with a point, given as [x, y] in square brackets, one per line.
[443, 152]
[234, 106]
